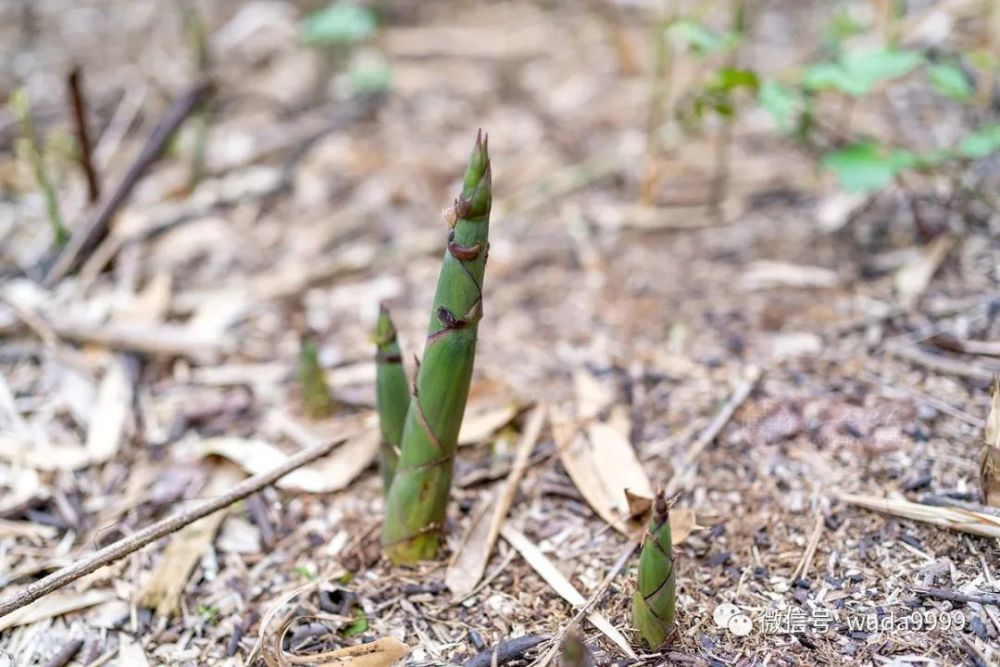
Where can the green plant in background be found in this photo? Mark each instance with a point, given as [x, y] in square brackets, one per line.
[653, 604]
[28, 147]
[335, 30]
[418, 497]
[392, 395]
[316, 400]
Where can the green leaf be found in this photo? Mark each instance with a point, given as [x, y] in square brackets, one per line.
[780, 101]
[358, 625]
[857, 72]
[729, 79]
[950, 81]
[864, 167]
[981, 143]
[831, 76]
[340, 23]
[700, 38]
[875, 66]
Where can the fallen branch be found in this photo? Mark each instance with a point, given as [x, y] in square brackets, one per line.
[87, 237]
[941, 364]
[171, 524]
[687, 468]
[505, 651]
[958, 596]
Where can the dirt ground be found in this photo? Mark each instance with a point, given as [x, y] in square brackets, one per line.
[317, 203]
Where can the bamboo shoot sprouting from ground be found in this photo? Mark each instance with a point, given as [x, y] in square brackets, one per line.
[653, 602]
[392, 395]
[575, 652]
[316, 400]
[418, 497]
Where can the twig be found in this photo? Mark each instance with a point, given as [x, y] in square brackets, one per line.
[171, 524]
[802, 570]
[573, 622]
[79, 105]
[945, 501]
[86, 238]
[958, 596]
[940, 364]
[711, 432]
[505, 651]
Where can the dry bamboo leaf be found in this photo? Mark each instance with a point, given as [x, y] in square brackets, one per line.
[56, 604]
[479, 426]
[111, 412]
[163, 589]
[469, 561]
[682, 523]
[151, 305]
[951, 518]
[561, 585]
[602, 465]
[333, 473]
[912, 279]
[130, 652]
[379, 653]
[989, 467]
[40, 454]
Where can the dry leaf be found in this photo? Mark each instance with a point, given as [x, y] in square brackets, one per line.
[952, 518]
[333, 473]
[52, 605]
[561, 585]
[380, 653]
[682, 523]
[469, 561]
[478, 426]
[162, 591]
[602, 464]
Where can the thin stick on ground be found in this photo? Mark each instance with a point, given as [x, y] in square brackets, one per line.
[87, 237]
[591, 601]
[78, 103]
[171, 524]
[959, 596]
[687, 469]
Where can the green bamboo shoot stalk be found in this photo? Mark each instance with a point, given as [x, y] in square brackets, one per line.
[654, 599]
[575, 652]
[392, 395]
[316, 400]
[418, 497]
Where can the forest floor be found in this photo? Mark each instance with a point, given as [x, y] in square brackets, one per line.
[625, 326]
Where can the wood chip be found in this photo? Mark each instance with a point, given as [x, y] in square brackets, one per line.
[912, 279]
[112, 412]
[379, 653]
